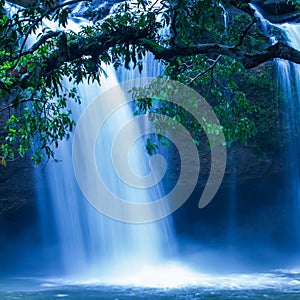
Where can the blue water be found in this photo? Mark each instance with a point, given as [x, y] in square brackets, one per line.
[274, 285]
[95, 244]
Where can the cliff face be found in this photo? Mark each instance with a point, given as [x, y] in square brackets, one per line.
[16, 186]
[16, 180]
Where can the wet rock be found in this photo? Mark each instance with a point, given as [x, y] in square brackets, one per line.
[278, 11]
[95, 11]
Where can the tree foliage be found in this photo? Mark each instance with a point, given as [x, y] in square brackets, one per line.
[190, 37]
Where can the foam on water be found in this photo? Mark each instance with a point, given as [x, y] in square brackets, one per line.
[174, 275]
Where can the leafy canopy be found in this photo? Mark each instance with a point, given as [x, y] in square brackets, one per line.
[203, 43]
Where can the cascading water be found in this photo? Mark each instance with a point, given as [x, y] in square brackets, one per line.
[87, 243]
[289, 91]
[93, 249]
[289, 83]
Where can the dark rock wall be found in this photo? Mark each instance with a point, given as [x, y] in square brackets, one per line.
[278, 11]
[16, 186]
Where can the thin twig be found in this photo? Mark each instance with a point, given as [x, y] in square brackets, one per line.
[22, 101]
[151, 7]
[41, 41]
[207, 70]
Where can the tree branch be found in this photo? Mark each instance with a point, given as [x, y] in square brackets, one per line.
[100, 43]
[13, 105]
[41, 41]
[207, 70]
[39, 19]
[278, 50]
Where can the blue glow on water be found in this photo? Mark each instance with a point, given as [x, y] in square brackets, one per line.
[280, 284]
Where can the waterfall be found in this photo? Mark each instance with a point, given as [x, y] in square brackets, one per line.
[289, 91]
[225, 16]
[289, 83]
[83, 242]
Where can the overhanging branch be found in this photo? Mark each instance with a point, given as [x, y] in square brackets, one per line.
[101, 43]
[278, 50]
